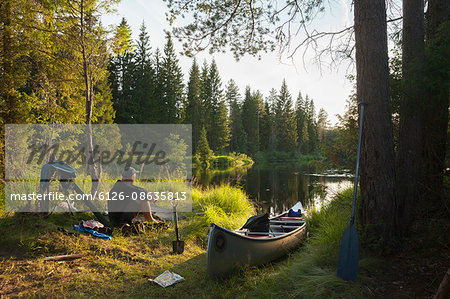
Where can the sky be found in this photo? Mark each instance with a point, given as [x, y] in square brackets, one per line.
[329, 88]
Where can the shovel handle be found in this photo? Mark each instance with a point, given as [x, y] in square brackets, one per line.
[175, 219]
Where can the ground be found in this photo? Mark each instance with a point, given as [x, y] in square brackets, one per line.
[419, 265]
[121, 267]
[117, 267]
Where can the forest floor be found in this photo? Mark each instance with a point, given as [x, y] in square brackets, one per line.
[419, 265]
[122, 266]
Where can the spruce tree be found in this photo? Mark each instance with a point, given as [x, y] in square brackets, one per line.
[144, 79]
[311, 125]
[265, 132]
[159, 110]
[120, 68]
[285, 121]
[204, 95]
[218, 130]
[203, 150]
[302, 128]
[250, 121]
[322, 124]
[103, 111]
[238, 137]
[172, 85]
[194, 106]
[271, 102]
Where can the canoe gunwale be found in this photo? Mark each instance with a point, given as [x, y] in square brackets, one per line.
[272, 238]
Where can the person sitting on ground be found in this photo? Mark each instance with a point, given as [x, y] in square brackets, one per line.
[121, 206]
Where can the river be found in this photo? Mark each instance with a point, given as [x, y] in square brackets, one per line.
[278, 186]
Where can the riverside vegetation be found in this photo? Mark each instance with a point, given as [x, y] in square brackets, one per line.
[121, 266]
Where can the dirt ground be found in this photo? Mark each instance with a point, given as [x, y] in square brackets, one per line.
[419, 267]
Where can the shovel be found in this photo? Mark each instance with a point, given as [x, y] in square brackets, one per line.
[178, 246]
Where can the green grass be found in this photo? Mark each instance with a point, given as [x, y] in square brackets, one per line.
[224, 205]
[121, 267]
[311, 272]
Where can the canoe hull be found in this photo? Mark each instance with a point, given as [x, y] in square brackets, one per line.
[227, 250]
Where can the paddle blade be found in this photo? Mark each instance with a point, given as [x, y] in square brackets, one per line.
[349, 254]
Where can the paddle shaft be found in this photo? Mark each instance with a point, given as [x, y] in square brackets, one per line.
[355, 188]
[349, 252]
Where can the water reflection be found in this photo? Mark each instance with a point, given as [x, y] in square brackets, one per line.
[277, 187]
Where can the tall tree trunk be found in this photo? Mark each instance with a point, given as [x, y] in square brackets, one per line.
[410, 130]
[436, 103]
[91, 168]
[377, 158]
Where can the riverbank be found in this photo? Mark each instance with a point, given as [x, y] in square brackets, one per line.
[225, 161]
[276, 156]
[121, 267]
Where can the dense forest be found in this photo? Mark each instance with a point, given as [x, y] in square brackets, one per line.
[148, 87]
[130, 82]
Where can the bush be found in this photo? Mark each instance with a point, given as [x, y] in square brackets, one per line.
[223, 161]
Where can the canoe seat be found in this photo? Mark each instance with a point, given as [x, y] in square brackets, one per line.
[285, 226]
[287, 221]
[291, 218]
[254, 234]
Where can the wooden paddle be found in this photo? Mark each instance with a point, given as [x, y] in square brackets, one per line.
[349, 252]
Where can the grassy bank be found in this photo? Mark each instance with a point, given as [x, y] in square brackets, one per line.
[223, 161]
[121, 267]
[311, 271]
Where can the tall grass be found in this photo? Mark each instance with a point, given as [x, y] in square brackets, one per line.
[311, 272]
[224, 205]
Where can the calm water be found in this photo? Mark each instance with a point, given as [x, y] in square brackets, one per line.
[277, 187]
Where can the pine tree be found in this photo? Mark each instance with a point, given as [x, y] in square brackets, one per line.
[285, 121]
[194, 105]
